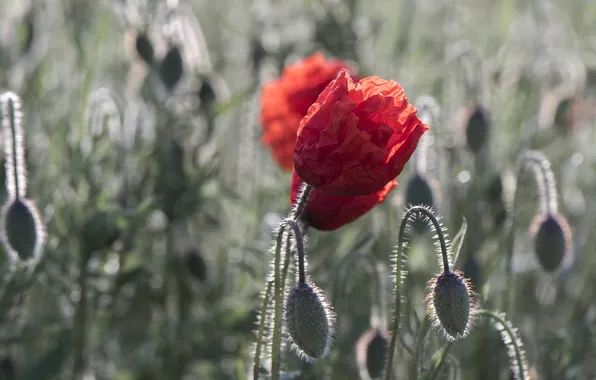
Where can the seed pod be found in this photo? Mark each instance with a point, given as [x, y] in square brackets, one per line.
[22, 229]
[195, 263]
[309, 320]
[552, 240]
[144, 48]
[451, 304]
[477, 129]
[171, 68]
[420, 192]
[371, 350]
[101, 230]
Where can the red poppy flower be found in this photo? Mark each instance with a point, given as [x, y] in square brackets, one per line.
[357, 136]
[328, 212]
[285, 101]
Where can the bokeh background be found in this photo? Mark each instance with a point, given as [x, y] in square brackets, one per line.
[159, 202]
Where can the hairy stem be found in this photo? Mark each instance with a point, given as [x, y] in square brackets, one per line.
[415, 210]
[261, 331]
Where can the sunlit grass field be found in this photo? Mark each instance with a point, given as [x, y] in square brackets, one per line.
[149, 202]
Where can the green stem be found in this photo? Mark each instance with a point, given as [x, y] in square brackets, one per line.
[80, 329]
[421, 339]
[444, 355]
[513, 341]
[261, 331]
[277, 297]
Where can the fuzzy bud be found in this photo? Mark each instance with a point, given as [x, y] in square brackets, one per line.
[309, 320]
[552, 240]
[451, 304]
[171, 68]
[371, 350]
[477, 129]
[7, 368]
[22, 229]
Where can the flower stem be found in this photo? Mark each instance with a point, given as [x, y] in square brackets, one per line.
[261, 331]
[415, 210]
[517, 357]
[444, 355]
[279, 283]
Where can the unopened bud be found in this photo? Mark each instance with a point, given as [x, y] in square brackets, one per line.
[144, 48]
[101, 230]
[22, 229]
[477, 129]
[310, 320]
[171, 68]
[196, 265]
[450, 304]
[420, 192]
[552, 240]
[371, 350]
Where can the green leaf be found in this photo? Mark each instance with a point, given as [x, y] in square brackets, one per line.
[458, 241]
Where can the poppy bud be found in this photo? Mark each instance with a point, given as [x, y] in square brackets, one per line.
[477, 129]
[309, 320]
[171, 68]
[22, 229]
[195, 263]
[371, 350]
[450, 304]
[552, 240]
[419, 191]
[144, 48]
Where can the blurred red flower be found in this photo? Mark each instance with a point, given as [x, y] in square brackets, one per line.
[328, 212]
[357, 136]
[285, 101]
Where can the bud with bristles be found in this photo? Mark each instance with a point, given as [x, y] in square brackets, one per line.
[451, 304]
[551, 236]
[310, 320]
[22, 229]
[371, 350]
[477, 129]
[171, 68]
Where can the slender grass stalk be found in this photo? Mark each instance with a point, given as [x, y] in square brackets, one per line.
[444, 355]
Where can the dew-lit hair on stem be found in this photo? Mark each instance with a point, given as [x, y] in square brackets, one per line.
[14, 152]
[545, 180]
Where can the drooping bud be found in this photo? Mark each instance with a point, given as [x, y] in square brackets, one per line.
[451, 304]
[22, 229]
[171, 68]
[551, 237]
[420, 192]
[310, 321]
[477, 129]
[195, 263]
[371, 350]
[144, 48]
